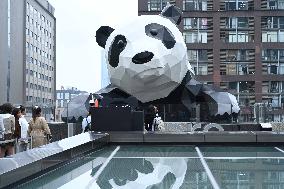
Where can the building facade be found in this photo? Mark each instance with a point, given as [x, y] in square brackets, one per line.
[237, 45]
[28, 54]
[63, 96]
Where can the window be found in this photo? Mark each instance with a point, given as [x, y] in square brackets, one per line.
[156, 5]
[27, 8]
[195, 5]
[237, 62]
[195, 30]
[272, 29]
[237, 29]
[272, 61]
[200, 61]
[195, 23]
[236, 5]
[275, 4]
[270, 36]
[246, 86]
[31, 9]
[67, 96]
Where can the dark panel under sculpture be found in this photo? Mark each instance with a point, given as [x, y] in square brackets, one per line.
[116, 119]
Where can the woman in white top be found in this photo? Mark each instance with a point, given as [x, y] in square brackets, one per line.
[23, 122]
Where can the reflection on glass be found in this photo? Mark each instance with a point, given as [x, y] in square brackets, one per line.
[152, 173]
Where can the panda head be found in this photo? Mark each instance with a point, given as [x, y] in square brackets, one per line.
[147, 57]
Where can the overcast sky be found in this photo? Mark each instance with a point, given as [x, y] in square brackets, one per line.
[78, 57]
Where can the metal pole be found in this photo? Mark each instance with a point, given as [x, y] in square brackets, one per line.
[67, 114]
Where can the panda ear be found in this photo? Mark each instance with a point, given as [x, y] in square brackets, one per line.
[102, 35]
[173, 13]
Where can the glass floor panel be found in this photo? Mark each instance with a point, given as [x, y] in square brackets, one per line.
[163, 167]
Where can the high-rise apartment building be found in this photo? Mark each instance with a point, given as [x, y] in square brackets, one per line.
[237, 45]
[28, 54]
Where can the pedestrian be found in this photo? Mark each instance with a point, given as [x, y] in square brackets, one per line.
[38, 128]
[21, 142]
[2, 128]
[8, 121]
[17, 114]
[86, 123]
[23, 123]
[150, 114]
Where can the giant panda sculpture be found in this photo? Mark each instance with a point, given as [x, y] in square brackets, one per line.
[147, 59]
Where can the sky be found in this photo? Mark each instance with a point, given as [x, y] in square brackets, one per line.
[78, 57]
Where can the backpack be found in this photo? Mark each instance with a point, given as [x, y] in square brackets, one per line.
[88, 127]
[9, 125]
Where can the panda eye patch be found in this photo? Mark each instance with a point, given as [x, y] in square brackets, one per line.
[162, 33]
[154, 32]
[118, 45]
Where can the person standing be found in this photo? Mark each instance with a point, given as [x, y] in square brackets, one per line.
[17, 114]
[8, 120]
[38, 128]
[150, 114]
[21, 143]
[23, 123]
[2, 128]
[86, 123]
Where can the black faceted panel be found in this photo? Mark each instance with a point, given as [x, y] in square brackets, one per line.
[162, 33]
[142, 57]
[173, 13]
[117, 46]
[102, 35]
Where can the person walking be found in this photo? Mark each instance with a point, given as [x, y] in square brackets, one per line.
[8, 121]
[38, 128]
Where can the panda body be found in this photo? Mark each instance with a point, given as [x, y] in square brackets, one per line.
[147, 59]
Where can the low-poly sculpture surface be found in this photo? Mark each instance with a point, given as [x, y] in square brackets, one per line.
[147, 59]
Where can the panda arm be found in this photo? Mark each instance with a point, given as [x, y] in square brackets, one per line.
[112, 92]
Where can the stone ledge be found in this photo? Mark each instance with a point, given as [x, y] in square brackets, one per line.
[227, 136]
[30, 162]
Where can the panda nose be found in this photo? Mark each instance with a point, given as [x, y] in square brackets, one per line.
[142, 57]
